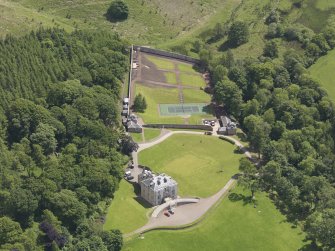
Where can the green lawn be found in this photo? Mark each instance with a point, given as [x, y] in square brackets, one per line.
[137, 137]
[160, 63]
[192, 80]
[324, 4]
[170, 77]
[233, 226]
[125, 212]
[150, 134]
[186, 68]
[154, 97]
[194, 160]
[196, 96]
[322, 70]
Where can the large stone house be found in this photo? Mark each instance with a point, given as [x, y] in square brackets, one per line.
[156, 188]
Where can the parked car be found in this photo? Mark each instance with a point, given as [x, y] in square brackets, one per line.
[208, 133]
[170, 211]
[206, 122]
[130, 177]
[166, 213]
[212, 123]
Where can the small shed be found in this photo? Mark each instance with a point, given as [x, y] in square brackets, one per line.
[134, 127]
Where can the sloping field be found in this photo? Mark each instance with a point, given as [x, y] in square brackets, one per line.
[323, 70]
[234, 225]
[150, 21]
[125, 212]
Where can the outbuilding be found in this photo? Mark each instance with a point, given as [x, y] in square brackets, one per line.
[134, 127]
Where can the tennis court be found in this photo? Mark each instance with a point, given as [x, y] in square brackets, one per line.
[182, 109]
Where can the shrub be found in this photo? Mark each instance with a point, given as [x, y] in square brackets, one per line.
[227, 139]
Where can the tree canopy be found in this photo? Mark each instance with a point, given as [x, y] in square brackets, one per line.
[238, 33]
[60, 156]
[118, 10]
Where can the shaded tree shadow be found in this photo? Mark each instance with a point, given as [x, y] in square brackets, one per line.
[236, 176]
[226, 46]
[248, 200]
[208, 109]
[238, 150]
[198, 68]
[233, 197]
[310, 247]
[242, 136]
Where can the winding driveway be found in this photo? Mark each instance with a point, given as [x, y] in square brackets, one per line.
[189, 213]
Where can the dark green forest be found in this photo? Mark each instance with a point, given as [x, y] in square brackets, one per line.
[289, 121]
[61, 155]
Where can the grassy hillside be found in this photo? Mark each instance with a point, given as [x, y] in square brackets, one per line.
[150, 21]
[160, 23]
[312, 14]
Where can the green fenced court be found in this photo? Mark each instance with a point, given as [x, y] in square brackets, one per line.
[183, 109]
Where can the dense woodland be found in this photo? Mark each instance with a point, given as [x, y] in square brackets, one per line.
[61, 155]
[288, 119]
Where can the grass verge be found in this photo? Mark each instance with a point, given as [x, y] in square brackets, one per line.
[126, 212]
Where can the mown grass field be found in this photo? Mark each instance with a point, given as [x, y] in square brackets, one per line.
[150, 134]
[192, 80]
[194, 160]
[170, 77]
[232, 226]
[155, 96]
[196, 96]
[188, 68]
[125, 212]
[163, 64]
[137, 137]
[323, 70]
